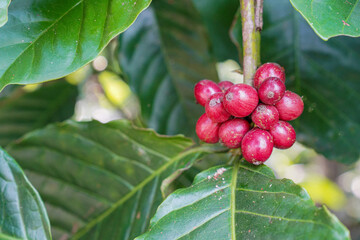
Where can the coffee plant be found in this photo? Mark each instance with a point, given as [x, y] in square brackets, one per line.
[189, 163]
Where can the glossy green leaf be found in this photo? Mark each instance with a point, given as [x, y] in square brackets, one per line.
[49, 39]
[97, 177]
[218, 17]
[22, 213]
[22, 112]
[4, 4]
[163, 55]
[331, 18]
[326, 74]
[242, 202]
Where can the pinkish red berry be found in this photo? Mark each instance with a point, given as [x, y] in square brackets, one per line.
[284, 135]
[257, 146]
[290, 106]
[265, 116]
[268, 70]
[207, 130]
[232, 132]
[271, 90]
[204, 89]
[215, 110]
[240, 100]
[225, 85]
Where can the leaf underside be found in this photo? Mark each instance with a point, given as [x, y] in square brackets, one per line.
[22, 213]
[45, 39]
[163, 55]
[242, 202]
[143, 63]
[96, 177]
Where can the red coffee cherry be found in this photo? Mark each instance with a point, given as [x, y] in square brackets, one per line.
[265, 116]
[268, 70]
[215, 110]
[284, 135]
[225, 85]
[257, 146]
[204, 89]
[240, 100]
[271, 90]
[290, 106]
[232, 132]
[207, 130]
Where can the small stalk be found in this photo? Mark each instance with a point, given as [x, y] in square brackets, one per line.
[258, 15]
[258, 27]
[251, 19]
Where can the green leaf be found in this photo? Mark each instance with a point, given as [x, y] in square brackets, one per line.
[22, 111]
[22, 213]
[331, 18]
[218, 17]
[49, 39]
[163, 55]
[96, 177]
[242, 202]
[326, 74]
[4, 4]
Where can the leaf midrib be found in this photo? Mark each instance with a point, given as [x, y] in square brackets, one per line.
[102, 216]
[210, 193]
[270, 216]
[40, 35]
[278, 217]
[233, 199]
[19, 202]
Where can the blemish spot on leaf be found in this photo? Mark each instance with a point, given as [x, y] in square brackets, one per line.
[219, 172]
[345, 23]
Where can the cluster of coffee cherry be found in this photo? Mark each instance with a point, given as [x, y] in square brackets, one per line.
[234, 115]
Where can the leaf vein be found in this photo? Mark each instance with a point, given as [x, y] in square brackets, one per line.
[106, 213]
[257, 191]
[41, 34]
[283, 218]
